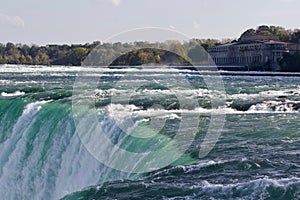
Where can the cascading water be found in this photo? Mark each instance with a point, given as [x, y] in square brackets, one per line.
[43, 157]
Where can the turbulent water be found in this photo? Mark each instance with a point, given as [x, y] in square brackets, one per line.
[42, 155]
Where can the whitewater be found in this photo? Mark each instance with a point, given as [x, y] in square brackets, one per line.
[43, 154]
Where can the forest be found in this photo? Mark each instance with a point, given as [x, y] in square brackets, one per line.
[74, 55]
[136, 53]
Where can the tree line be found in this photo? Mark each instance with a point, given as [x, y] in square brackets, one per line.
[285, 35]
[74, 55]
[139, 52]
[43, 55]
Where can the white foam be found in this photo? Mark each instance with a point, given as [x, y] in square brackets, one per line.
[12, 151]
[39, 68]
[120, 112]
[5, 81]
[274, 106]
[257, 188]
[17, 93]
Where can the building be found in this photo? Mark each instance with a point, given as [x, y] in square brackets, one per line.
[253, 51]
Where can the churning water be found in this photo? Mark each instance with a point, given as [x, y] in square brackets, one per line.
[42, 156]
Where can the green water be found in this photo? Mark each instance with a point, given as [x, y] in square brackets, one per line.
[42, 154]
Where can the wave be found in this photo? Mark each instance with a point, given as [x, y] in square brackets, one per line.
[41, 155]
[239, 102]
[14, 94]
[119, 111]
[262, 188]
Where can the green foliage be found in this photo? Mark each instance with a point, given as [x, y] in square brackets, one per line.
[136, 53]
[104, 54]
[77, 55]
[283, 34]
[150, 56]
[263, 28]
[2, 60]
[265, 32]
[249, 32]
[45, 55]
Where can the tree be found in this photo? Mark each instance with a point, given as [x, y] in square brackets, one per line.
[296, 36]
[264, 32]
[249, 32]
[2, 60]
[157, 59]
[41, 59]
[9, 46]
[77, 55]
[263, 28]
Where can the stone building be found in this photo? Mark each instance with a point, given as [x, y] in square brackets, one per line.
[263, 51]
